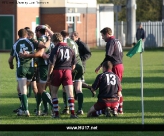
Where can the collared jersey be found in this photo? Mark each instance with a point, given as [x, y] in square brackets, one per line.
[108, 84]
[23, 44]
[114, 51]
[41, 61]
[73, 45]
[62, 56]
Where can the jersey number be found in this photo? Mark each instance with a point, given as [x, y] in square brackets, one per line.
[111, 79]
[23, 48]
[64, 55]
[119, 46]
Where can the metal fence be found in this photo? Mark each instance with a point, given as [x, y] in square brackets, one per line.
[154, 33]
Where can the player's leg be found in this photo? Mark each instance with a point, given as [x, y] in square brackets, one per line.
[118, 70]
[71, 101]
[56, 77]
[78, 87]
[24, 76]
[68, 85]
[55, 101]
[42, 94]
[23, 87]
[97, 109]
[19, 96]
[46, 97]
[65, 100]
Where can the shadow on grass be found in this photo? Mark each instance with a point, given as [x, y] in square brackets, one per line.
[145, 80]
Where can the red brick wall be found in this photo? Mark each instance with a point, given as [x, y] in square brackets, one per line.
[25, 16]
[55, 21]
[87, 29]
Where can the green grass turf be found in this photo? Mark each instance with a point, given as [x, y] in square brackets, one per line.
[153, 95]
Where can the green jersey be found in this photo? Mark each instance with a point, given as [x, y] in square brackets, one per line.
[41, 61]
[73, 46]
[23, 44]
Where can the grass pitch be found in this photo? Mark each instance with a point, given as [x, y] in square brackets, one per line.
[153, 66]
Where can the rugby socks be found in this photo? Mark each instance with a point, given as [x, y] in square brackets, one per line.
[80, 100]
[24, 102]
[19, 96]
[45, 105]
[30, 90]
[47, 97]
[100, 112]
[120, 107]
[65, 99]
[71, 105]
[38, 104]
[55, 106]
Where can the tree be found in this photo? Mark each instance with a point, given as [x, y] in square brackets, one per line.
[146, 9]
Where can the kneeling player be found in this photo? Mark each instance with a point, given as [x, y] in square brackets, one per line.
[109, 92]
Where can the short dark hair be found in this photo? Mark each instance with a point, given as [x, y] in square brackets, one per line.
[22, 33]
[106, 30]
[57, 37]
[107, 65]
[42, 31]
[64, 33]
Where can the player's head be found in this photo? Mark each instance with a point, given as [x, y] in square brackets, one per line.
[56, 38]
[22, 33]
[39, 31]
[64, 33]
[30, 34]
[140, 25]
[107, 65]
[74, 35]
[106, 33]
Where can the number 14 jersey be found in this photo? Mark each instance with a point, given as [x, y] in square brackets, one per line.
[62, 56]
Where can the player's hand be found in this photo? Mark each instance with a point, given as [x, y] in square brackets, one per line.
[45, 56]
[23, 54]
[97, 69]
[93, 92]
[48, 80]
[11, 66]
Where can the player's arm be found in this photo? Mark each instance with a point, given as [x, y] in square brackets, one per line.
[49, 31]
[37, 54]
[10, 61]
[74, 61]
[51, 65]
[86, 52]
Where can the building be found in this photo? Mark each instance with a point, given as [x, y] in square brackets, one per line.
[70, 15]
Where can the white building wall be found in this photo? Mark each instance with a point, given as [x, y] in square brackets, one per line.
[105, 18]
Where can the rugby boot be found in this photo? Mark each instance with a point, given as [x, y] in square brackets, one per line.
[73, 116]
[80, 112]
[65, 111]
